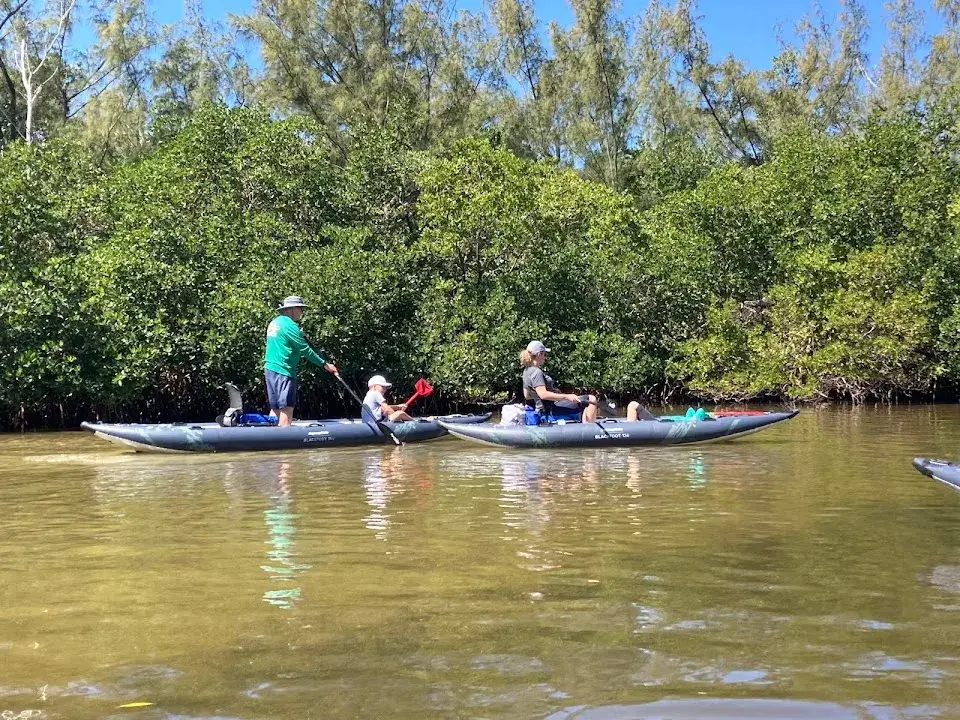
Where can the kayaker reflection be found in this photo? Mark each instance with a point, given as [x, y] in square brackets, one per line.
[522, 503]
[375, 402]
[543, 404]
[383, 478]
[281, 528]
[376, 486]
[285, 346]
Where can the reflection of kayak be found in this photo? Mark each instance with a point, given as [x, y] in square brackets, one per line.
[618, 433]
[942, 470]
[302, 435]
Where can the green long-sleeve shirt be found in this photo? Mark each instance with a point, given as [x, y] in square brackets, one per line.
[285, 346]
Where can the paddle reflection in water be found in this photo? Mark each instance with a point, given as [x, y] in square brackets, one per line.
[281, 529]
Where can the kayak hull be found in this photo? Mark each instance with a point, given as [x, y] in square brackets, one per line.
[943, 470]
[618, 433]
[302, 435]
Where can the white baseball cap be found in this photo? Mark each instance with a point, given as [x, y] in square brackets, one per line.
[378, 380]
[535, 347]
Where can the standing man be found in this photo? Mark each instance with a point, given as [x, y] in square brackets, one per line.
[285, 346]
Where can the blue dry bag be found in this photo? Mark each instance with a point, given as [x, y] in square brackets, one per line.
[256, 419]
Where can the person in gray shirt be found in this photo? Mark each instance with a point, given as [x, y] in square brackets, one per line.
[538, 390]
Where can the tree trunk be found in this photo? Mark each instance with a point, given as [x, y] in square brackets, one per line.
[31, 98]
[12, 106]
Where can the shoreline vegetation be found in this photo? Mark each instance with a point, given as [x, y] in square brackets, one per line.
[677, 229]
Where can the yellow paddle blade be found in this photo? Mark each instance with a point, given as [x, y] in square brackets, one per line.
[135, 705]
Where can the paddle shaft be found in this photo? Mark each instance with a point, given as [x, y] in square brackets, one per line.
[412, 398]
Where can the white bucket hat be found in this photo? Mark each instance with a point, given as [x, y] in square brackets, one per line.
[293, 301]
[378, 380]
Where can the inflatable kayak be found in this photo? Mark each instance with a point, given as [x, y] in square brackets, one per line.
[619, 433]
[302, 435]
[946, 472]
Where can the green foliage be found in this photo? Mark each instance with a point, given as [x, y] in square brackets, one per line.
[830, 271]
[519, 250]
[47, 341]
[860, 272]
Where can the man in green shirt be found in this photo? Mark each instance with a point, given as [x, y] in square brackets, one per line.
[285, 346]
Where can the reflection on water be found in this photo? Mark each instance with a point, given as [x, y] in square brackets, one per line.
[739, 709]
[697, 474]
[804, 572]
[379, 471]
[281, 529]
[389, 473]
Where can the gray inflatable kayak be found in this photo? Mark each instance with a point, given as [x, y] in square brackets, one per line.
[619, 433]
[302, 435]
[943, 470]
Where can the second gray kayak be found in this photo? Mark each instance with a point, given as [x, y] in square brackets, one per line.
[943, 470]
[618, 433]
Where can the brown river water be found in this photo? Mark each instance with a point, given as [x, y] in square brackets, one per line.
[806, 571]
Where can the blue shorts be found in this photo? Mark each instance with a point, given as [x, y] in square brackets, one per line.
[281, 390]
[566, 411]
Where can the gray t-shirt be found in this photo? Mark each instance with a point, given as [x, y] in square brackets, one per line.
[372, 402]
[534, 377]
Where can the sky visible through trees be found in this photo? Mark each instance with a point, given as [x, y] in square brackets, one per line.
[745, 28]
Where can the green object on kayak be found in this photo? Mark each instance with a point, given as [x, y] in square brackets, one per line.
[691, 415]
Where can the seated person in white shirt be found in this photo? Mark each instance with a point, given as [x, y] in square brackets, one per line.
[376, 403]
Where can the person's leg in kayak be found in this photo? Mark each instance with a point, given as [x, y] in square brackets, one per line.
[636, 411]
[589, 405]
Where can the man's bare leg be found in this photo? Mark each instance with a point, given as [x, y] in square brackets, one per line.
[285, 415]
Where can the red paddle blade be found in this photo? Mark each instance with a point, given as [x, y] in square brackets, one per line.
[423, 388]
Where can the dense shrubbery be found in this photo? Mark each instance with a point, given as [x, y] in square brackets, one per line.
[832, 270]
[850, 247]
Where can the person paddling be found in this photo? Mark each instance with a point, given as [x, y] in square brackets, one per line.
[285, 346]
[376, 402]
[538, 390]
